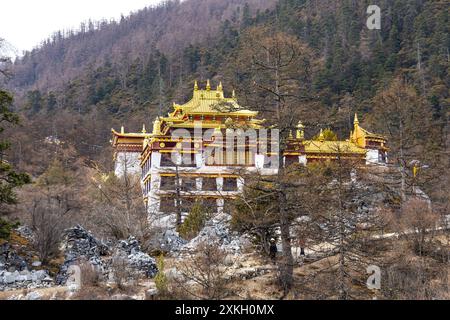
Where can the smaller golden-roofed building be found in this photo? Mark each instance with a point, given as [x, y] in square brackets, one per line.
[127, 150]
[363, 146]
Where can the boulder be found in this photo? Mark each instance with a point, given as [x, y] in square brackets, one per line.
[10, 259]
[36, 264]
[171, 241]
[9, 278]
[33, 295]
[24, 279]
[150, 294]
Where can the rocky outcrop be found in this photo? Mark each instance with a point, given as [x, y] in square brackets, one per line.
[80, 245]
[137, 259]
[171, 241]
[217, 230]
[10, 260]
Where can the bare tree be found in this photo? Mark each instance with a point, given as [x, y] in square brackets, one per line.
[117, 204]
[48, 225]
[206, 269]
[278, 67]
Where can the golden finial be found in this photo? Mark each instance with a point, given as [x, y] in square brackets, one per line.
[355, 128]
[156, 126]
[321, 136]
[143, 129]
[219, 87]
[122, 130]
[208, 85]
[195, 85]
[300, 134]
[233, 94]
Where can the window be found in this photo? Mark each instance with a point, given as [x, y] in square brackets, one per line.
[249, 158]
[215, 157]
[229, 184]
[166, 160]
[168, 183]
[288, 160]
[188, 184]
[209, 184]
[167, 205]
[188, 160]
[186, 204]
[381, 156]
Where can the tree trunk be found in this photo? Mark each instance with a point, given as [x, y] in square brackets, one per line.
[287, 262]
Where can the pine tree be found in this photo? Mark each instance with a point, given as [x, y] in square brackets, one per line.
[10, 178]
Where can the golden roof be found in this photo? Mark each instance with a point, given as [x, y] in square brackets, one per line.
[212, 102]
[123, 138]
[359, 135]
[129, 135]
[316, 146]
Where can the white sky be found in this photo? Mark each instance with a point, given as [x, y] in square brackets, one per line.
[25, 23]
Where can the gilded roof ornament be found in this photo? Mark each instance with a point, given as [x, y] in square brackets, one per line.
[208, 85]
[195, 85]
[157, 126]
[321, 136]
[300, 133]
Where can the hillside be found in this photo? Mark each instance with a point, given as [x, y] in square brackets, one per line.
[130, 71]
[362, 117]
[168, 28]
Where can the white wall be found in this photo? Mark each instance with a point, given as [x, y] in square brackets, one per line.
[127, 162]
[373, 157]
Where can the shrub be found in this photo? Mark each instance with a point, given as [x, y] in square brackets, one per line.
[6, 228]
[90, 276]
[194, 222]
[161, 279]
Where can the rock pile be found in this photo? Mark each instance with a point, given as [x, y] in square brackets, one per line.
[137, 259]
[217, 231]
[10, 260]
[24, 280]
[171, 241]
[79, 245]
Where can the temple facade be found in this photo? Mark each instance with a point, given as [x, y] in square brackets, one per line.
[195, 154]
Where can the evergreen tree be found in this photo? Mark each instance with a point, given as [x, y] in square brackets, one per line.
[9, 178]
